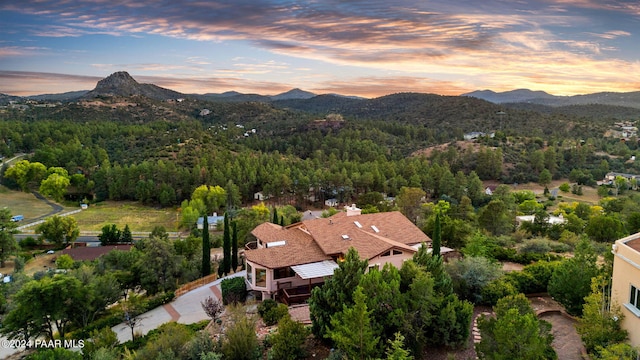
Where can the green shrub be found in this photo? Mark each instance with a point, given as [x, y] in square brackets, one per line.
[496, 290]
[114, 318]
[524, 282]
[271, 312]
[287, 343]
[160, 299]
[265, 306]
[541, 272]
[504, 254]
[537, 246]
[274, 315]
[233, 290]
[28, 242]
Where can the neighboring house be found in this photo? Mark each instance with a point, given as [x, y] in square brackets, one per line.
[260, 196]
[611, 176]
[331, 202]
[625, 286]
[288, 261]
[490, 189]
[211, 220]
[90, 253]
[552, 220]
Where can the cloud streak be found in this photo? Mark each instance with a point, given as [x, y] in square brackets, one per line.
[464, 45]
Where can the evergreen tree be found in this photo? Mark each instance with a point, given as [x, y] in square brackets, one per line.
[206, 248]
[515, 332]
[226, 246]
[328, 299]
[352, 331]
[7, 229]
[234, 247]
[126, 236]
[275, 216]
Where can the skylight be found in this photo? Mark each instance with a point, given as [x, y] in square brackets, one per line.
[276, 243]
[375, 228]
[345, 237]
[358, 224]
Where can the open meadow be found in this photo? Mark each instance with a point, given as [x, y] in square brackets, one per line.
[121, 213]
[21, 203]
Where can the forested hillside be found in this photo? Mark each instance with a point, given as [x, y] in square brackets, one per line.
[327, 146]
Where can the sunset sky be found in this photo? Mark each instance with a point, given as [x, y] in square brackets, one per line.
[366, 48]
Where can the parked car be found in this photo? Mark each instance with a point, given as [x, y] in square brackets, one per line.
[17, 218]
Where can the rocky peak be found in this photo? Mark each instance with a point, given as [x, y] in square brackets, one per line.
[122, 84]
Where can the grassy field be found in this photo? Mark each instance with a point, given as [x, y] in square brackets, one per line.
[138, 217]
[21, 203]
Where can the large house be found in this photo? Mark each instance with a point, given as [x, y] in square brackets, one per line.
[625, 287]
[288, 261]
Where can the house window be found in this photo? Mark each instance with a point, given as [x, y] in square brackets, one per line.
[261, 277]
[388, 253]
[374, 267]
[634, 297]
[397, 252]
[284, 272]
[249, 273]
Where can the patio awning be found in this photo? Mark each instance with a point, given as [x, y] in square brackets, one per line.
[316, 269]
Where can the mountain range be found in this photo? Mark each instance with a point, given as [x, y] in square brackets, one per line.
[627, 99]
[122, 84]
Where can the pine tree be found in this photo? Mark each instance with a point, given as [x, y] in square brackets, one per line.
[234, 247]
[226, 246]
[275, 216]
[126, 237]
[352, 331]
[206, 248]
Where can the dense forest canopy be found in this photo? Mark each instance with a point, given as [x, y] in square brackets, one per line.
[160, 151]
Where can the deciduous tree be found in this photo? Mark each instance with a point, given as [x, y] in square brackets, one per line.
[59, 230]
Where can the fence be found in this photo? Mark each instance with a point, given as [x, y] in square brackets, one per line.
[196, 284]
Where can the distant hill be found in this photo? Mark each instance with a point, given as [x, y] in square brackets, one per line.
[293, 94]
[122, 84]
[519, 95]
[628, 99]
[232, 96]
[67, 96]
[5, 99]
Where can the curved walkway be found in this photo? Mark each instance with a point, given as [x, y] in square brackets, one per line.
[566, 341]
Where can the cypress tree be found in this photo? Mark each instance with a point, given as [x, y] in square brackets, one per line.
[226, 246]
[275, 216]
[234, 247]
[206, 248]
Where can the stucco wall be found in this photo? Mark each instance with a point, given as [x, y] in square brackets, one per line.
[626, 272]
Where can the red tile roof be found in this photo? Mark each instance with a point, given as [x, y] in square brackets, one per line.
[88, 253]
[299, 248]
[317, 239]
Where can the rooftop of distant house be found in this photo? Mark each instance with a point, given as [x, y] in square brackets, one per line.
[89, 253]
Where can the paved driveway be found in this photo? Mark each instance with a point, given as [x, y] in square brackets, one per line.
[185, 309]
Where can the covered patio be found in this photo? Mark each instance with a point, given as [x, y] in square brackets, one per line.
[299, 294]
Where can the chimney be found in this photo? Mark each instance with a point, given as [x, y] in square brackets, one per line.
[353, 210]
